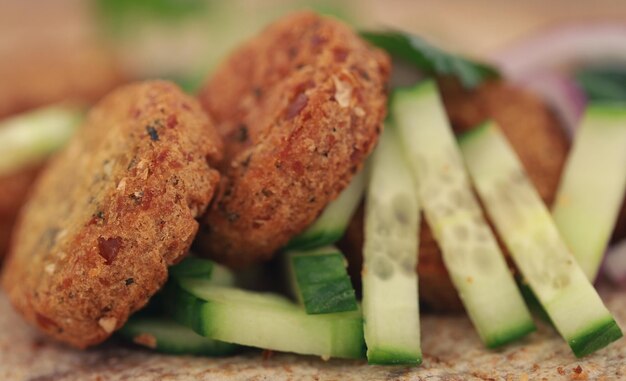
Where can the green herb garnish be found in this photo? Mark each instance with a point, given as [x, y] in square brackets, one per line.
[431, 59]
[603, 83]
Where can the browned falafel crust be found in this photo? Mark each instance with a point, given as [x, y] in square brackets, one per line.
[299, 107]
[34, 77]
[15, 188]
[111, 212]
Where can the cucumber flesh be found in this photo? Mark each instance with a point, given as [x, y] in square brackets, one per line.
[29, 138]
[530, 234]
[470, 251]
[593, 184]
[265, 320]
[167, 336]
[390, 295]
[320, 281]
[332, 223]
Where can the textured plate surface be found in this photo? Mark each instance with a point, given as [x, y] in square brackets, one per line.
[452, 351]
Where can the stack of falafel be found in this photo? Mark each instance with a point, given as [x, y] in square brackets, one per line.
[274, 135]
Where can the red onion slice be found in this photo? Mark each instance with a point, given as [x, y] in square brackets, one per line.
[543, 63]
[563, 47]
[561, 93]
[615, 263]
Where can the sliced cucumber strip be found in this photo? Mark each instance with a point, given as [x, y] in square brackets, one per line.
[593, 184]
[29, 138]
[198, 268]
[390, 297]
[192, 267]
[529, 232]
[333, 221]
[320, 280]
[470, 252]
[265, 321]
[167, 336]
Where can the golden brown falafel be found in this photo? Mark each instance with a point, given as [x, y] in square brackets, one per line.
[39, 73]
[300, 107]
[111, 212]
[15, 188]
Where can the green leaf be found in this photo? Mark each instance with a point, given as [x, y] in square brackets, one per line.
[164, 9]
[430, 59]
[119, 16]
[603, 83]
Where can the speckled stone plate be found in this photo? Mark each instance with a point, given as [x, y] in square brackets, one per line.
[452, 351]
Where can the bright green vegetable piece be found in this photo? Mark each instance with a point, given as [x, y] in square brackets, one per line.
[320, 280]
[525, 225]
[593, 184]
[470, 251]
[29, 138]
[198, 268]
[430, 59]
[167, 336]
[265, 321]
[390, 297]
[331, 225]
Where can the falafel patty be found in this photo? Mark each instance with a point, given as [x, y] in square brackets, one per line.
[33, 77]
[15, 188]
[111, 212]
[299, 107]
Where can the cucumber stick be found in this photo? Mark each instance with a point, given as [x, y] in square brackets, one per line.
[320, 280]
[470, 251]
[593, 184]
[29, 138]
[390, 297]
[167, 336]
[198, 268]
[529, 232]
[334, 220]
[265, 321]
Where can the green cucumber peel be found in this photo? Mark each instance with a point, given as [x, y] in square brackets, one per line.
[320, 280]
[430, 59]
[264, 320]
[603, 83]
[595, 337]
[193, 267]
[149, 328]
[166, 336]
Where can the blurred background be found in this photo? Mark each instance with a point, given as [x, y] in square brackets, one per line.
[554, 56]
[99, 40]
[563, 51]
